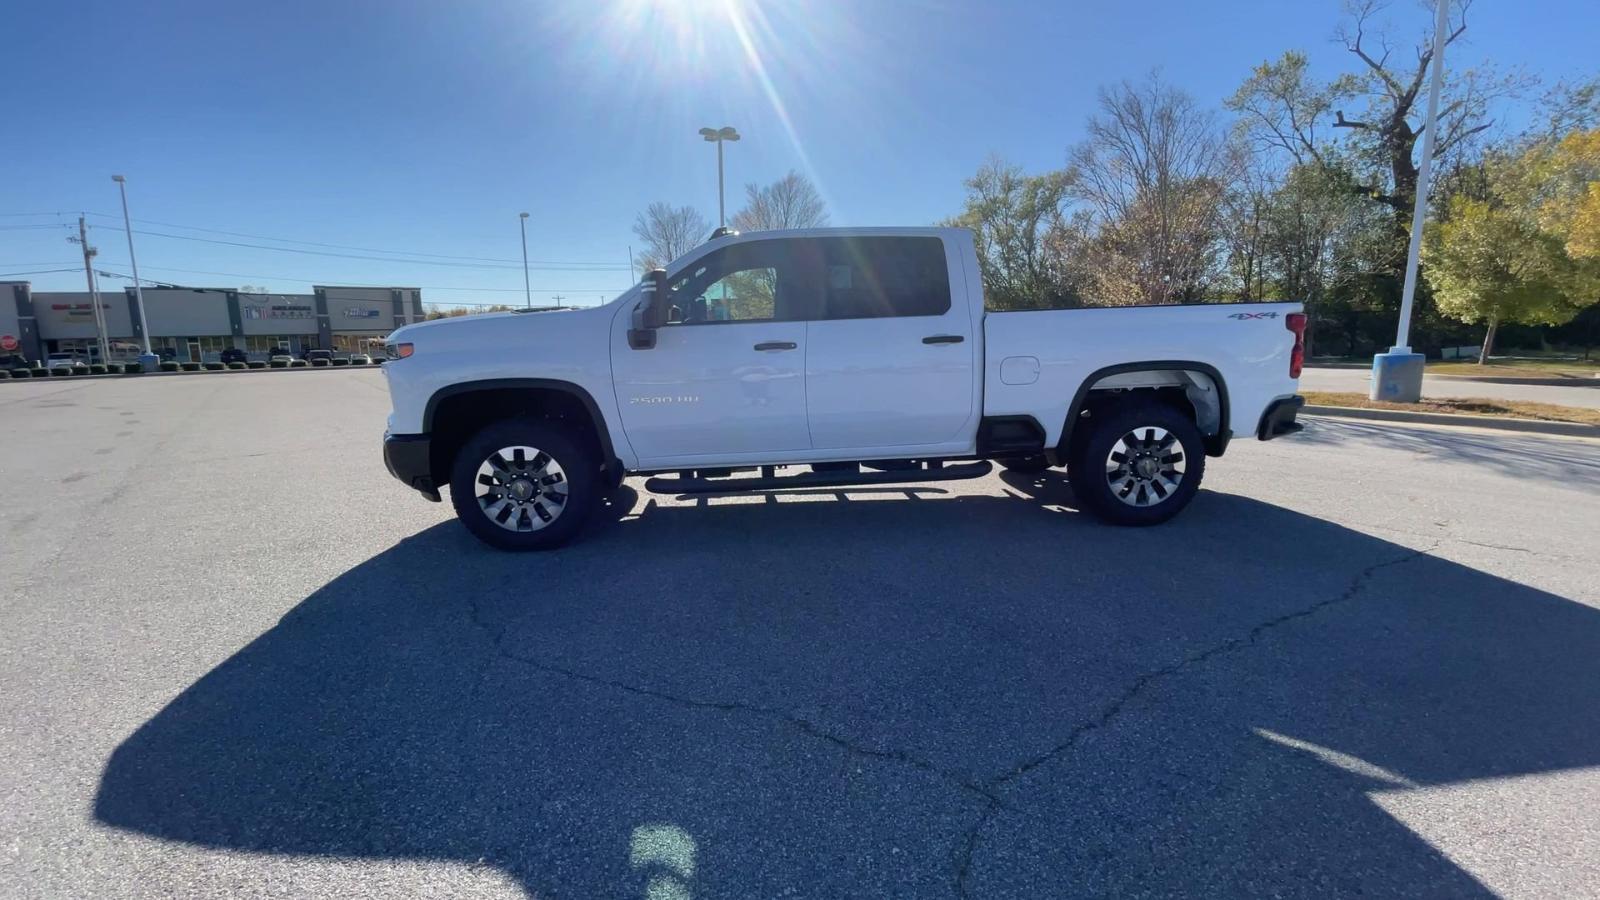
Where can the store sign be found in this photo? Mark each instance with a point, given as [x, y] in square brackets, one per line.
[77, 310]
[277, 311]
[361, 312]
[8, 342]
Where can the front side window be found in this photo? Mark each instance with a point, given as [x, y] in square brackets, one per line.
[879, 277]
[753, 282]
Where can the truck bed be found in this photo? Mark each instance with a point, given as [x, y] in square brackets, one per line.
[1246, 346]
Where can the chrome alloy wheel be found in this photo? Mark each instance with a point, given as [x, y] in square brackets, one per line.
[1145, 466]
[521, 488]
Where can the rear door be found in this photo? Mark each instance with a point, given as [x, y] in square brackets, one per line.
[727, 374]
[891, 350]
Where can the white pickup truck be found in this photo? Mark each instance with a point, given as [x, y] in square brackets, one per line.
[864, 355]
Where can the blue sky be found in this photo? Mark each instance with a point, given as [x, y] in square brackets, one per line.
[426, 127]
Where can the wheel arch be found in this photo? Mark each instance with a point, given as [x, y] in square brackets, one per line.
[1216, 437]
[455, 411]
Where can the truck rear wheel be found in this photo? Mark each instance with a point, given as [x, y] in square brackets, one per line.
[523, 484]
[1141, 464]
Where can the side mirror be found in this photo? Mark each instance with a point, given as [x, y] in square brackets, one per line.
[651, 311]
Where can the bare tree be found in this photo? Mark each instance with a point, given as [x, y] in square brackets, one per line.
[790, 202]
[1154, 171]
[668, 232]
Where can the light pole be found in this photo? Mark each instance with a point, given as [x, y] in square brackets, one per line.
[148, 361]
[1397, 375]
[718, 136]
[527, 296]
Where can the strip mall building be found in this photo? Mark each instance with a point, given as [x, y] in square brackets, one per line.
[196, 324]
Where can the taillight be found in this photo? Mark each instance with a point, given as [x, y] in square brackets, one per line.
[1296, 322]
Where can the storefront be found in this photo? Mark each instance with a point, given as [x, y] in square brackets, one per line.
[197, 324]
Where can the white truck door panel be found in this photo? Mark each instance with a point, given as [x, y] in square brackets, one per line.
[876, 377]
[706, 389]
[727, 373]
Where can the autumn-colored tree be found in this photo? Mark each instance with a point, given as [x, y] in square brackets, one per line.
[1493, 264]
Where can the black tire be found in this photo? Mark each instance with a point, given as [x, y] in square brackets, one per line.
[1029, 465]
[1144, 491]
[577, 471]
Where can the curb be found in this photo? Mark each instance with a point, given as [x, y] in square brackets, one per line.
[1590, 382]
[1498, 423]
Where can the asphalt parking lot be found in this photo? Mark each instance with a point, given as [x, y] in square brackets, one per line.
[237, 659]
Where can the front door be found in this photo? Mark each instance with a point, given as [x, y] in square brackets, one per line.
[727, 374]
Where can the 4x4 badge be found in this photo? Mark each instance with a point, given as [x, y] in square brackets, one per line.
[1259, 315]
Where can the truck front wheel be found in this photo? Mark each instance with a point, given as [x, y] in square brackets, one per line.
[523, 484]
[1140, 465]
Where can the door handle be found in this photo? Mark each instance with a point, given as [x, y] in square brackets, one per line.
[776, 345]
[943, 339]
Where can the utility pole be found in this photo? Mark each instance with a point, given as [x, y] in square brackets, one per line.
[94, 288]
[631, 273]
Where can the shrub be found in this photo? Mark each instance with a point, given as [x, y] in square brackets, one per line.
[4, 374]
[355, 362]
[377, 361]
[297, 364]
[236, 366]
[255, 364]
[320, 363]
[168, 365]
[19, 373]
[213, 366]
[189, 366]
[40, 372]
[97, 369]
[279, 363]
[131, 369]
[340, 362]
[113, 368]
[60, 372]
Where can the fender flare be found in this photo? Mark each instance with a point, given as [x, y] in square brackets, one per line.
[544, 384]
[1215, 444]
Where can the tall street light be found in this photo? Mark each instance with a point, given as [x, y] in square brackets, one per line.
[1397, 375]
[148, 360]
[718, 136]
[527, 295]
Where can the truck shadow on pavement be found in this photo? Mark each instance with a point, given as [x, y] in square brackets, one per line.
[938, 696]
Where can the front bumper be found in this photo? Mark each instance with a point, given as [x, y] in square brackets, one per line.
[1278, 420]
[407, 458]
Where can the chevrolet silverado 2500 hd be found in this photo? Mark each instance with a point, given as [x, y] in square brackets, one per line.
[864, 355]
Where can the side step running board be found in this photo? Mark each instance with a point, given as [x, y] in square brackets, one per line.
[663, 484]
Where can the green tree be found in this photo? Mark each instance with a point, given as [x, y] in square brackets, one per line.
[1492, 264]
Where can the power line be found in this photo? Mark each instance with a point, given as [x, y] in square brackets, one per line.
[36, 272]
[420, 287]
[261, 237]
[386, 259]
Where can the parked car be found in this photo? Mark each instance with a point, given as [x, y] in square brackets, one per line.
[284, 357]
[64, 361]
[310, 355]
[233, 355]
[865, 354]
[14, 361]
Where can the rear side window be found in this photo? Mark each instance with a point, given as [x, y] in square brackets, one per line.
[880, 277]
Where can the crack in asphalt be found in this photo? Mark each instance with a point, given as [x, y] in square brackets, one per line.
[989, 791]
[800, 723]
[1112, 710]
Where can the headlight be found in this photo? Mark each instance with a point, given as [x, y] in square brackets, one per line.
[398, 351]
